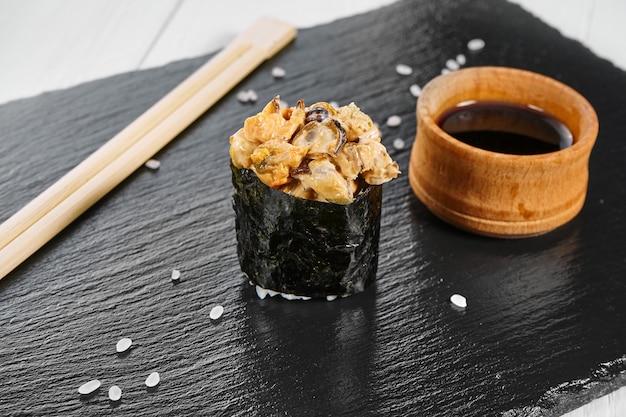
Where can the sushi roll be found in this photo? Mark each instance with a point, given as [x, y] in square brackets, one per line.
[307, 201]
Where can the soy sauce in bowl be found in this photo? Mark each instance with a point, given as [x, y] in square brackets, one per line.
[506, 128]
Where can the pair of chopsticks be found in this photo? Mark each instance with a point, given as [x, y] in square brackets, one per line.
[44, 217]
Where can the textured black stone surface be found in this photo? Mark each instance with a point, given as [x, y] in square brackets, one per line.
[545, 322]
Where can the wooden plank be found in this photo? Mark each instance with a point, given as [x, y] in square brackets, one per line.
[610, 405]
[56, 44]
[596, 23]
[607, 30]
[200, 26]
[570, 17]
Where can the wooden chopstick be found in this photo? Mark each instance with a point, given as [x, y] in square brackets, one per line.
[61, 189]
[44, 217]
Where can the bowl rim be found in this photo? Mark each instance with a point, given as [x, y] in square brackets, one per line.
[582, 143]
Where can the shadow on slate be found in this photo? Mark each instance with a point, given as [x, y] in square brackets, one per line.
[544, 329]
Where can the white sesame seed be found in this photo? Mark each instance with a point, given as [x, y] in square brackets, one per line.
[278, 72]
[394, 120]
[153, 380]
[476, 44]
[89, 387]
[445, 71]
[261, 292]
[461, 60]
[398, 143]
[252, 96]
[452, 65]
[458, 300]
[123, 344]
[153, 164]
[216, 312]
[403, 69]
[175, 275]
[331, 297]
[415, 90]
[115, 393]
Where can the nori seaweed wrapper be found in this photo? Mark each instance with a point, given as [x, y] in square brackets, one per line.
[305, 247]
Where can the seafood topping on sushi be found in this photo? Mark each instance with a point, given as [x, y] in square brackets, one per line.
[308, 199]
[317, 152]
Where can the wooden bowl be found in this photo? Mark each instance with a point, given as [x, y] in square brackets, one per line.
[497, 194]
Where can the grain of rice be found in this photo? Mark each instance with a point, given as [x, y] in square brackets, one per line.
[403, 69]
[394, 120]
[475, 44]
[153, 380]
[278, 72]
[242, 96]
[452, 65]
[458, 300]
[398, 143]
[175, 275]
[123, 344]
[89, 387]
[216, 312]
[246, 96]
[115, 393]
[153, 164]
[415, 90]
[331, 297]
[261, 292]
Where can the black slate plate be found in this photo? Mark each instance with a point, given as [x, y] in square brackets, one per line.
[544, 330]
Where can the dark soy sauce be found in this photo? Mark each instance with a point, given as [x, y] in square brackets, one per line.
[506, 128]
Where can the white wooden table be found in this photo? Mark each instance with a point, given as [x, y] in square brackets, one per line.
[51, 44]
